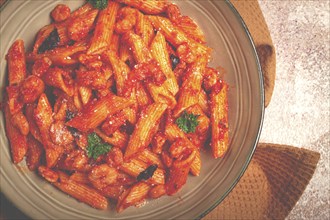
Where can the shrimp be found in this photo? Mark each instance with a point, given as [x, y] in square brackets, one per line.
[102, 175]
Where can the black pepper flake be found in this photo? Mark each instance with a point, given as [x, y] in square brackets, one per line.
[50, 42]
[147, 173]
[174, 60]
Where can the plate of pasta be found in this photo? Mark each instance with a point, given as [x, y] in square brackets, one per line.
[125, 109]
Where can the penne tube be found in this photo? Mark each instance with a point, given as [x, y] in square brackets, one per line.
[191, 86]
[173, 132]
[144, 129]
[133, 196]
[159, 52]
[79, 177]
[62, 56]
[82, 10]
[85, 94]
[135, 166]
[162, 94]
[42, 36]
[104, 29]
[203, 102]
[147, 6]
[34, 129]
[18, 141]
[219, 119]
[149, 157]
[19, 121]
[55, 77]
[16, 63]
[79, 27]
[14, 103]
[177, 37]
[34, 153]
[82, 192]
[120, 70]
[144, 28]
[140, 51]
[157, 191]
[118, 139]
[94, 113]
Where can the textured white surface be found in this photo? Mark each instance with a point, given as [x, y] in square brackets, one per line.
[298, 114]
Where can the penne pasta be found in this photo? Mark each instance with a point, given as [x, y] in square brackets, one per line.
[18, 141]
[147, 6]
[133, 196]
[104, 29]
[94, 113]
[144, 130]
[16, 63]
[135, 166]
[81, 192]
[219, 119]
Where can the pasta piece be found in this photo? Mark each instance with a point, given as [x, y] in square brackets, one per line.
[18, 142]
[92, 78]
[133, 196]
[41, 66]
[118, 138]
[158, 142]
[203, 102]
[127, 20]
[104, 29]
[147, 6]
[61, 56]
[219, 119]
[33, 127]
[120, 70]
[79, 177]
[160, 54]
[54, 77]
[16, 63]
[144, 129]
[144, 28]
[150, 158]
[81, 25]
[191, 86]
[81, 192]
[173, 132]
[115, 42]
[34, 153]
[135, 166]
[31, 88]
[42, 36]
[82, 10]
[49, 174]
[15, 104]
[177, 37]
[44, 119]
[85, 94]
[157, 191]
[102, 175]
[140, 52]
[162, 94]
[19, 121]
[95, 112]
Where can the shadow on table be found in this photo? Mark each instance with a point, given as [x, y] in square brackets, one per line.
[8, 211]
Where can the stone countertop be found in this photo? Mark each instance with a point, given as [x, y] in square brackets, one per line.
[298, 114]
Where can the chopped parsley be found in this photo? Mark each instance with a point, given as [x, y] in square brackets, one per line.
[99, 4]
[96, 147]
[187, 122]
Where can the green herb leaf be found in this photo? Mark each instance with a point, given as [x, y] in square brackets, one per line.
[99, 4]
[96, 147]
[187, 122]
